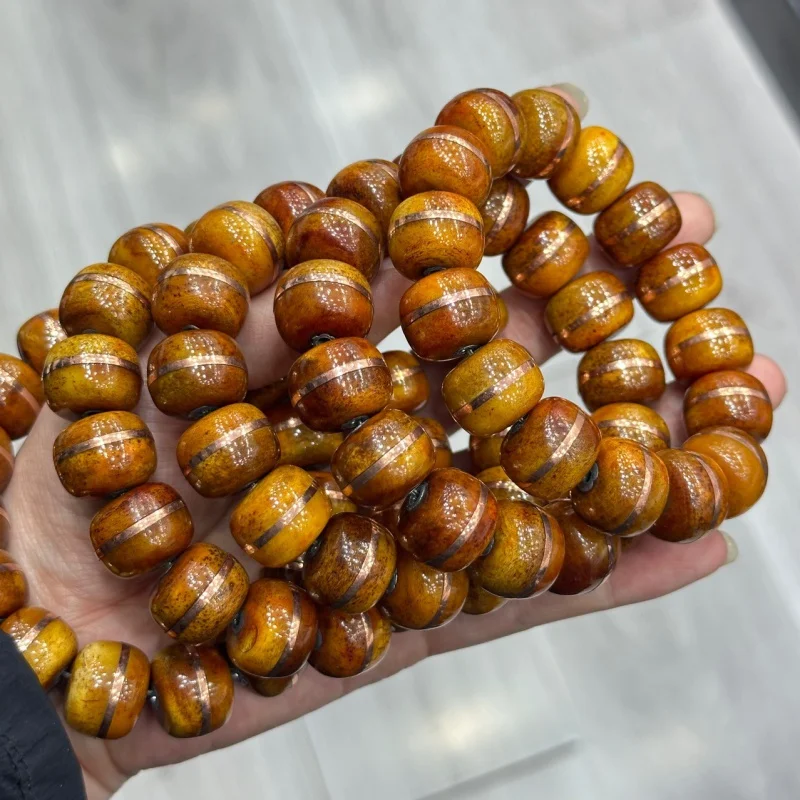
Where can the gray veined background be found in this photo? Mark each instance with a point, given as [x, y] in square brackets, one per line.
[118, 113]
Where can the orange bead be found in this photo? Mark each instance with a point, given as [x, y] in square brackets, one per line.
[319, 300]
[148, 249]
[551, 451]
[300, 445]
[708, 340]
[21, 396]
[272, 687]
[141, 529]
[106, 298]
[269, 396]
[501, 486]
[13, 585]
[104, 454]
[227, 450]
[5, 525]
[588, 310]
[547, 256]
[484, 451]
[479, 601]
[441, 442]
[287, 200]
[504, 212]
[635, 422]
[492, 388]
[246, 236]
[6, 461]
[37, 335]
[410, 387]
[193, 372]
[339, 503]
[435, 230]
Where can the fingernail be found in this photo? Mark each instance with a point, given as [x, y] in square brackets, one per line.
[730, 545]
[578, 97]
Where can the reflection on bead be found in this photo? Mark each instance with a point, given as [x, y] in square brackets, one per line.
[441, 441]
[339, 503]
[410, 387]
[5, 525]
[504, 212]
[484, 451]
[13, 585]
[6, 461]
[287, 200]
[21, 396]
[37, 335]
[272, 687]
[633, 421]
[501, 486]
[300, 445]
[148, 249]
[479, 601]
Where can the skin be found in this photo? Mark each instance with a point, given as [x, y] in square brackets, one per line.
[64, 575]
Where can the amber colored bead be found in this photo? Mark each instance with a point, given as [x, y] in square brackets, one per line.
[698, 497]
[300, 445]
[501, 486]
[435, 230]
[193, 372]
[192, 689]
[635, 422]
[148, 249]
[227, 450]
[338, 229]
[269, 396]
[493, 388]
[445, 314]
[104, 454]
[13, 586]
[551, 127]
[280, 517]
[448, 520]
[37, 335]
[350, 644]
[351, 564]
[272, 687]
[107, 298]
[479, 601]
[638, 225]
[742, 460]
[588, 310]
[504, 212]
[141, 529]
[5, 525]
[731, 398]
[275, 630]
[441, 441]
[424, 597]
[548, 255]
[623, 370]
[107, 689]
[92, 372]
[708, 340]
[590, 556]
[677, 281]
[380, 462]
[21, 396]
[339, 503]
[198, 290]
[410, 387]
[246, 236]
[44, 640]
[6, 461]
[552, 450]
[484, 451]
[503, 311]
[319, 300]
[287, 200]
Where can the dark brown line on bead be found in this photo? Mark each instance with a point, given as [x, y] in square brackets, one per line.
[112, 280]
[204, 272]
[738, 436]
[344, 214]
[492, 391]
[333, 374]
[376, 466]
[33, 632]
[138, 527]
[633, 425]
[558, 454]
[286, 424]
[294, 630]
[213, 586]
[716, 489]
[505, 209]
[728, 391]
[203, 691]
[641, 222]
[117, 684]
[117, 437]
[435, 214]
[342, 280]
[165, 237]
[618, 365]
[594, 312]
[90, 359]
[154, 374]
[447, 300]
[285, 519]
[466, 533]
[547, 554]
[548, 253]
[678, 279]
[369, 641]
[223, 441]
[8, 379]
[453, 139]
[447, 588]
[715, 333]
[644, 495]
[260, 227]
[363, 573]
[604, 174]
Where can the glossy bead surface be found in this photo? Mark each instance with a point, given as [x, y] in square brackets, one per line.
[107, 298]
[638, 225]
[595, 173]
[484, 451]
[141, 529]
[552, 450]
[287, 200]
[200, 594]
[590, 556]
[44, 640]
[339, 503]
[148, 249]
[351, 565]
[37, 335]
[5, 525]
[731, 398]
[501, 486]
[339, 381]
[435, 230]
[380, 462]
[742, 460]
[505, 213]
[448, 520]
[698, 497]
[424, 597]
[322, 298]
[272, 687]
[620, 370]
[269, 396]
[192, 689]
[627, 492]
[547, 255]
[92, 372]
[708, 340]
[527, 553]
[492, 388]
[275, 630]
[21, 396]
[104, 454]
[6, 461]
[635, 422]
[441, 441]
[677, 281]
[13, 585]
[246, 236]
[279, 518]
[198, 290]
[444, 313]
[588, 310]
[192, 372]
[107, 689]
[338, 229]
[300, 445]
[410, 387]
[479, 601]
[551, 127]
[227, 450]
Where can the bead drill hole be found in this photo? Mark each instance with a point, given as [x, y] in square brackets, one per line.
[354, 424]
[392, 584]
[201, 412]
[321, 338]
[416, 496]
[468, 350]
[318, 642]
[431, 270]
[516, 426]
[589, 479]
[237, 622]
[312, 550]
[489, 548]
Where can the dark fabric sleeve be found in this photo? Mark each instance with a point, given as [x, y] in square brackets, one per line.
[36, 758]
